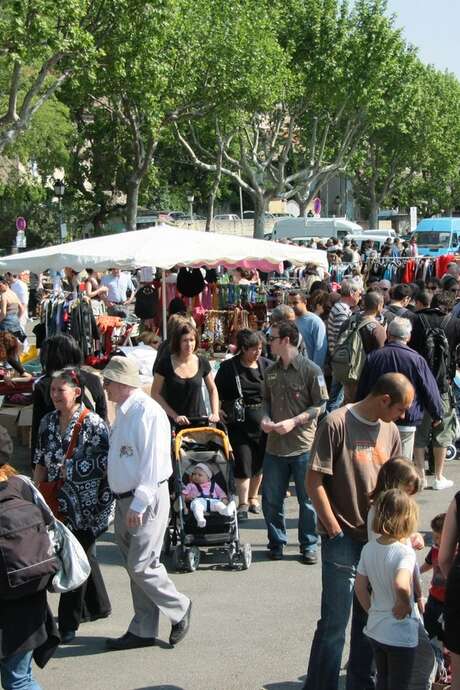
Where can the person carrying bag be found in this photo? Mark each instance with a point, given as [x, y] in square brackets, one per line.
[71, 470]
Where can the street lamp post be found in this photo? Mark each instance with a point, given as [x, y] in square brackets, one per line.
[59, 189]
[190, 200]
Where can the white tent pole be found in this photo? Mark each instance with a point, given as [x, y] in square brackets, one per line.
[163, 302]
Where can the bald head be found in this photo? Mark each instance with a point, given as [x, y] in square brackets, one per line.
[397, 387]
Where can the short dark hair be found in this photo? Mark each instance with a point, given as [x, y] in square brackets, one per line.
[395, 385]
[424, 298]
[245, 339]
[177, 306]
[437, 522]
[448, 282]
[372, 300]
[71, 376]
[60, 351]
[444, 300]
[177, 334]
[401, 291]
[288, 329]
[318, 285]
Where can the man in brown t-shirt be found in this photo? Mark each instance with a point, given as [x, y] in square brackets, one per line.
[350, 446]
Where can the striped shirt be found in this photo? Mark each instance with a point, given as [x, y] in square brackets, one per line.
[339, 313]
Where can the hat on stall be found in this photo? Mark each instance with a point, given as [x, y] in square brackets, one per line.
[123, 370]
[204, 468]
[190, 282]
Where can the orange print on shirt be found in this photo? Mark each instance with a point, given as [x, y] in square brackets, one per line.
[367, 454]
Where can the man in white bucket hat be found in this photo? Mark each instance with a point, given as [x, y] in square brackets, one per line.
[139, 467]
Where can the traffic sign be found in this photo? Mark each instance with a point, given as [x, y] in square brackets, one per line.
[21, 223]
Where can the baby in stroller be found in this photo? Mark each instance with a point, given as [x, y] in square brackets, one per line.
[203, 495]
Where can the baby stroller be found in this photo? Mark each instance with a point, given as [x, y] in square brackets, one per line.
[209, 446]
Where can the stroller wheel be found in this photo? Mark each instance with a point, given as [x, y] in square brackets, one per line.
[179, 558]
[451, 452]
[192, 559]
[246, 555]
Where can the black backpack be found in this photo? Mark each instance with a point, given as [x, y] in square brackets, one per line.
[436, 351]
[27, 556]
[145, 304]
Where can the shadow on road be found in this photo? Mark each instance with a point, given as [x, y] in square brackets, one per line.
[285, 685]
[88, 646]
[160, 687]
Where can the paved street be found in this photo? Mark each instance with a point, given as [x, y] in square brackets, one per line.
[250, 630]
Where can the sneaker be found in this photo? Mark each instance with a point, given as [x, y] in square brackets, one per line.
[275, 554]
[442, 483]
[308, 557]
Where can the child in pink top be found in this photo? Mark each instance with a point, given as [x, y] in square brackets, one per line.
[205, 495]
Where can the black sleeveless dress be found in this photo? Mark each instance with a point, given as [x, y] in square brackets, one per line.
[452, 602]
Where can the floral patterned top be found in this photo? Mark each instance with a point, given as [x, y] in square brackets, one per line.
[85, 498]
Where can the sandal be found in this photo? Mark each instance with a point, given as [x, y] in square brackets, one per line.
[254, 505]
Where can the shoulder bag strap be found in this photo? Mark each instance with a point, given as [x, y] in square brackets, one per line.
[237, 379]
[75, 434]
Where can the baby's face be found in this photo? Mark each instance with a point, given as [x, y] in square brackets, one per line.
[199, 477]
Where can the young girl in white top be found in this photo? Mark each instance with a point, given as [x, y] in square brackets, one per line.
[387, 566]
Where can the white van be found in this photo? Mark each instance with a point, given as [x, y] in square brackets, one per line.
[378, 240]
[288, 228]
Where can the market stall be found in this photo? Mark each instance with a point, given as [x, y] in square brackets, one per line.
[165, 247]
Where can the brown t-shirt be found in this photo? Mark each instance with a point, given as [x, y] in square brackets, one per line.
[350, 452]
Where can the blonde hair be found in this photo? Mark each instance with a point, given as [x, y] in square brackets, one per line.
[396, 514]
[6, 471]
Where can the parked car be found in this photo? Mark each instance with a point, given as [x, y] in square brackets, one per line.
[227, 216]
[250, 215]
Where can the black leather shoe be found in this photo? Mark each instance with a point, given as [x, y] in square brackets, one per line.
[67, 636]
[275, 554]
[309, 557]
[129, 641]
[179, 630]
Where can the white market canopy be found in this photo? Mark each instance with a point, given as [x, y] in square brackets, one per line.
[163, 247]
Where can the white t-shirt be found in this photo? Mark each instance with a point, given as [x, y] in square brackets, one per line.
[379, 563]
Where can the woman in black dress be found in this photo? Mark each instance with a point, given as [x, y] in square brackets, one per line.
[449, 562]
[178, 381]
[246, 438]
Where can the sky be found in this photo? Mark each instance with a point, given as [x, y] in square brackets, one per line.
[432, 26]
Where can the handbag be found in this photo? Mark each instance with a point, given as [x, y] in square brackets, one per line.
[74, 565]
[74, 568]
[50, 490]
[234, 409]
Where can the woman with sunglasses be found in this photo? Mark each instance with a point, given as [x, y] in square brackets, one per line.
[73, 445]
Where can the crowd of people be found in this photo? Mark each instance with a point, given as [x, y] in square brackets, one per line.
[350, 393]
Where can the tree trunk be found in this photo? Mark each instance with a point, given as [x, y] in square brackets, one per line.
[259, 217]
[373, 214]
[210, 214]
[132, 199]
[303, 203]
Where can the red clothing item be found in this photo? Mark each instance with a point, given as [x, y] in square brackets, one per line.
[441, 264]
[409, 272]
[438, 581]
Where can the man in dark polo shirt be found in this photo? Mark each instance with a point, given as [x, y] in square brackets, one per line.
[295, 393]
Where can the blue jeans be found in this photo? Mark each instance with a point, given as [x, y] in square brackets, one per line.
[277, 472]
[336, 395]
[340, 557]
[16, 672]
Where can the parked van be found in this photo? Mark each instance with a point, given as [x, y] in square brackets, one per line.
[377, 240]
[389, 232]
[288, 228]
[438, 236]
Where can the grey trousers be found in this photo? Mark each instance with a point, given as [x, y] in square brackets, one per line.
[151, 589]
[407, 443]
